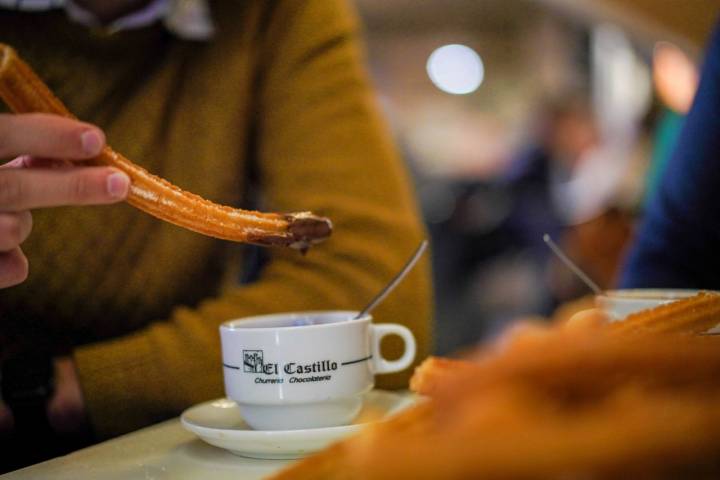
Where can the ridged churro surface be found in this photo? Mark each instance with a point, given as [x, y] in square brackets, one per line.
[691, 315]
[24, 92]
[585, 399]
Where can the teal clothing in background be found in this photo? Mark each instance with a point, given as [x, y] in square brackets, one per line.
[664, 140]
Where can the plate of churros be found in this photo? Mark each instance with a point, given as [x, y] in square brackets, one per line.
[585, 398]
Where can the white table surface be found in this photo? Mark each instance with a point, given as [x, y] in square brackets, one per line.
[162, 451]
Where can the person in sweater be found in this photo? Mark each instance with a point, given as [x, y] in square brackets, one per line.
[269, 107]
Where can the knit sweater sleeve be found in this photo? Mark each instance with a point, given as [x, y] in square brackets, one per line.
[677, 242]
[320, 146]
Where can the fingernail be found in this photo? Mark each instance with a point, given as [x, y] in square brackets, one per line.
[118, 184]
[92, 142]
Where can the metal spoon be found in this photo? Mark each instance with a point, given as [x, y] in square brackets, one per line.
[395, 281]
[571, 265]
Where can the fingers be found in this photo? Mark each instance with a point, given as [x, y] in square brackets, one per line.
[24, 189]
[33, 180]
[66, 409]
[523, 334]
[23, 161]
[27, 161]
[7, 421]
[13, 268]
[587, 319]
[50, 136]
[14, 229]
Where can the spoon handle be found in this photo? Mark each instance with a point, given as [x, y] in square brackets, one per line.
[395, 281]
[571, 265]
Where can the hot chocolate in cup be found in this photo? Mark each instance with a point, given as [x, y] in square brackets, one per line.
[299, 370]
[618, 304]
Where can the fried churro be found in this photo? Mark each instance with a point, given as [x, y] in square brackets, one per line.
[24, 92]
[515, 433]
[533, 347]
[583, 399]
[691, 315]
[646, 426]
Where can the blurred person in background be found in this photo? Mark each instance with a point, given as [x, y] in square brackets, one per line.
[564, 130]
[562, 181]
[555, 185]
[256, 104]
[675, 78]
[676, 246]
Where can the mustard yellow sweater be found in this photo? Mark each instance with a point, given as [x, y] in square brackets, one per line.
[276, 107]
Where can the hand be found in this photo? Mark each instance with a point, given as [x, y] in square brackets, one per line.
[533, 332]
[523, 334]
[587, 319]
[7, 421]
[40, 177]
[66, 408]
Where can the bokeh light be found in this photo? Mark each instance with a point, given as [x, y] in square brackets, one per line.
[675, 76]
[456, 69]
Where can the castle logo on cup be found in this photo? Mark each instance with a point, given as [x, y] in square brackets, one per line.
[305, 369]
[253, 361]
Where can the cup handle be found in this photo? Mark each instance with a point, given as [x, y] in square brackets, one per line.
[388, 366]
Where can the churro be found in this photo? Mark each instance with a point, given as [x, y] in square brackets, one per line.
[514, 433]
[511, 432]
[584, 399]
[692, 315]
[533, 350]
[24, 92]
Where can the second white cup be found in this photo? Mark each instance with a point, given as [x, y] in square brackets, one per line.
[618, 304]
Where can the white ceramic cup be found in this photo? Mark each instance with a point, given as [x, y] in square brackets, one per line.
[290, 371]
[618, 304]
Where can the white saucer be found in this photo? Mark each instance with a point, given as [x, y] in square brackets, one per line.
[219, 422]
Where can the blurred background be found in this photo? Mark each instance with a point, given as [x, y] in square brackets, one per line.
[524, 117]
